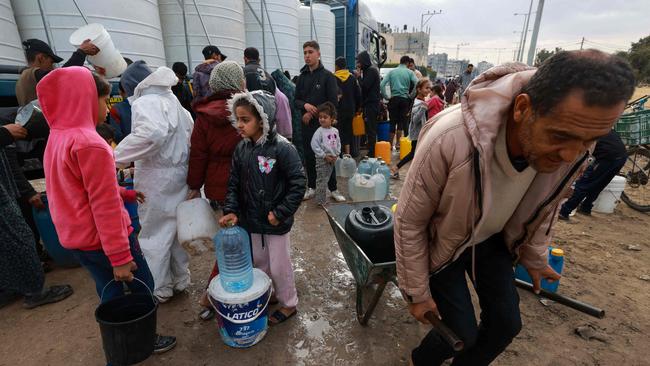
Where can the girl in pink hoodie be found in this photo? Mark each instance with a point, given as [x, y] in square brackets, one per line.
[86, 202]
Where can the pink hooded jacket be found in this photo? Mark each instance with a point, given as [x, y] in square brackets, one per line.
[448, 186]
[84, 196]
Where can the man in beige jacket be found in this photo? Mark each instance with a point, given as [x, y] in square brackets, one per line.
[484, 188]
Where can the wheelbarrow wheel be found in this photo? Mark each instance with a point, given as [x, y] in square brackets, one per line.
[364, 316]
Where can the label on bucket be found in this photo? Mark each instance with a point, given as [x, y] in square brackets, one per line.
[242, 316]
[243, 325]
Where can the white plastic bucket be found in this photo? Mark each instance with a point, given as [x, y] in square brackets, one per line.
[196, 225]
[610, 196]
[108, 57]
[242, 316]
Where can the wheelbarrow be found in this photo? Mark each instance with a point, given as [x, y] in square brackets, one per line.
[371, 278]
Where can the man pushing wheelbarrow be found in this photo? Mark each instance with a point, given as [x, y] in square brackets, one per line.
[486, 183]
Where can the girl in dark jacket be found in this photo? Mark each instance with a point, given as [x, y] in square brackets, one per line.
[265, 189]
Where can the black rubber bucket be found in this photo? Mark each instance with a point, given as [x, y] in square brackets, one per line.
[128, 327]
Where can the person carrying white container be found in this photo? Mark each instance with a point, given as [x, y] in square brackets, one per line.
[610, 156]
[40, 61]
[159, 145]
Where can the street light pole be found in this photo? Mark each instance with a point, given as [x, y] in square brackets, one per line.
[430, 15]
[520, 50]
[458, 46]
[523, 45]
[533, 39]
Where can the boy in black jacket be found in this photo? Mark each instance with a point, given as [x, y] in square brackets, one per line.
[370, 97]
[314, 86]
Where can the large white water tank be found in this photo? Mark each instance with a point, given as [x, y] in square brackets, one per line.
[134, 25]
[11, 50]
[280, 19]
[223, 20]
[320, 27]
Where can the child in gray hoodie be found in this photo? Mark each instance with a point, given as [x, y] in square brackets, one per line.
[326, 145]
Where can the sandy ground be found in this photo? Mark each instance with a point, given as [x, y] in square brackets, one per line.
[599, 270]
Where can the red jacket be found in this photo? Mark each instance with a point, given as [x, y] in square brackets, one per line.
[84, 197]
[435, 106]
[213, 142]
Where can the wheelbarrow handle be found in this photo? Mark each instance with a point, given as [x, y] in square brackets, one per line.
[446, 333]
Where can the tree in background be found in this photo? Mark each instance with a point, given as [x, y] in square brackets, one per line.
[639, 58]
[544, 54]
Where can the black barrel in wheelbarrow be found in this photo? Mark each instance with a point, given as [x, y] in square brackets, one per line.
[371, 227]
[128, 327]
[370, 276]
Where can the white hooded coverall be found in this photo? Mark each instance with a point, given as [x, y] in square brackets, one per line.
[159, 145]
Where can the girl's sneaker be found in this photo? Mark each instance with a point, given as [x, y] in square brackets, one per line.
[337, 196]
[309, 194]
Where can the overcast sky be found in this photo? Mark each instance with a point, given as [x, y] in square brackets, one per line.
[487, 25]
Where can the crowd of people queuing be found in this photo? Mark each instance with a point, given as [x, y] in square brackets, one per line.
[255, 145]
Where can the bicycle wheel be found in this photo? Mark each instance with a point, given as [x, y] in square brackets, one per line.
[637, 172]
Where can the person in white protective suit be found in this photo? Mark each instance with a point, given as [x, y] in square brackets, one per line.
[159, 145]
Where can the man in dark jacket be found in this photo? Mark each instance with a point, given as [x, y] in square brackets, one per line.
[349, 101]
[201, 76]
[40, 61]
[256, 77]
[182, 89]
[610, 156]
[314, 86]
[370, 97]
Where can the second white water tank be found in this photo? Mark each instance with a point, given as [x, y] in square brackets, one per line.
[279, 18]
[224, 23]
[134, 25]
[319, 27]
[11, 49]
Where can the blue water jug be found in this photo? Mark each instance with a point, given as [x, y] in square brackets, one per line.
[60, 255]
[132, 208]
[555, 260]
[233, 248]
[365, 167]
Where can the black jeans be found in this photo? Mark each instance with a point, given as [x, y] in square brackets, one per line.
[398, 110]
[409, 156]
[310, 158]
[498, 298]
[370, 114]
[595, 178]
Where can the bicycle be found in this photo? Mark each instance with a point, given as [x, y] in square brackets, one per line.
[634, 129]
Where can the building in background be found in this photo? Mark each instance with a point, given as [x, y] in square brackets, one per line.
[412, 44]
[455, 67]
[483, 66]
[438, 63]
